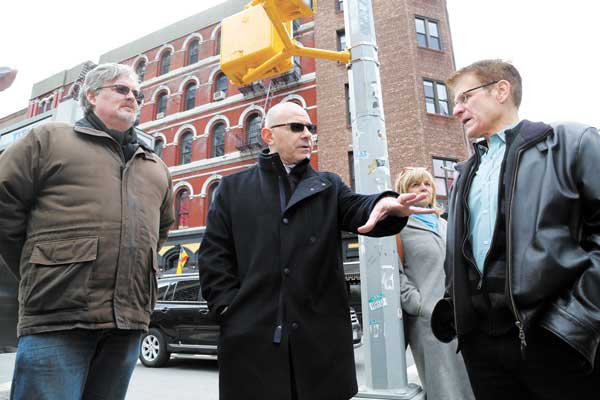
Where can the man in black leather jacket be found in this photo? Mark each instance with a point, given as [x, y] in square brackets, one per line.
[523, 251]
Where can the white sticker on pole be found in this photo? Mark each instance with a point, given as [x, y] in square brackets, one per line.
[377, 302]
[387, 277]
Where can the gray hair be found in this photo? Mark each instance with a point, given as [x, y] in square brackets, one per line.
[98, 77]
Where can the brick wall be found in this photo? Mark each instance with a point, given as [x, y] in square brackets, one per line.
[414, 136]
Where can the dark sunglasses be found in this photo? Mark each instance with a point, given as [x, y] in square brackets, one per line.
[124, 90]
[298, 127]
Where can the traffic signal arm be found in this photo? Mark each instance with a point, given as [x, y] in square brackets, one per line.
[292, 46]
[341, 56]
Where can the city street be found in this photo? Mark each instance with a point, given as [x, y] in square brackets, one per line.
[185, 378]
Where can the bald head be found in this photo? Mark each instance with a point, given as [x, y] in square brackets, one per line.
[280, 113]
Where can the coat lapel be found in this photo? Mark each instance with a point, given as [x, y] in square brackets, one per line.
[306, 188]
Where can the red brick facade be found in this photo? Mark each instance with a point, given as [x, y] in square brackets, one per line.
[414, 135]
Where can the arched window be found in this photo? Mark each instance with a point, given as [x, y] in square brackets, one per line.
[165, 62]
[161, 105]
[42, 107]
[218, 43]
[193, 52]
[140, 70]
[158, 147]
[212, 190]
[185, 150]
[253, 125]
[190, 96]
[218, 140]
[221, 83]
[49, 104]
[182, 209]
[75, 91]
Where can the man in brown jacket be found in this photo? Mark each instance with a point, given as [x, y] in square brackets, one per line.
[83, 210]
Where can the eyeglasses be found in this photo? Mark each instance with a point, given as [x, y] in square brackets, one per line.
[124, 90]
[464, 96]
[298, 127]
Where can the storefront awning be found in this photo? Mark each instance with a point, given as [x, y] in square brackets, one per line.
[189, 247]
[193, 247]
[352, 270]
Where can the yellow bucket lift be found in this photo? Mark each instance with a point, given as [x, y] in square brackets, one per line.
[257, 44]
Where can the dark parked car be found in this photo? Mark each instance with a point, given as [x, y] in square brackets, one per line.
[180, 322]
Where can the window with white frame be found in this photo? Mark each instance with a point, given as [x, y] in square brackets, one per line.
[436, 97]
[190, 96]
[185, 151]
[165, 62]
[161, 105]
[253, 126]
[427, 33]
[140, 70]
[443, 176]
[218, 140]
[193, 52]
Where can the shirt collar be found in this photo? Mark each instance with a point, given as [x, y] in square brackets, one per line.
[496, 140]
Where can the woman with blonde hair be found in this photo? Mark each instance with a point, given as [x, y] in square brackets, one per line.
[422, 249]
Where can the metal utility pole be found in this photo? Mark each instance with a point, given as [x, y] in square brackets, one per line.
[385, 356]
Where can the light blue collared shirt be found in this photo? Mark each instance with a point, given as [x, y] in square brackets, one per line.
[483, 197]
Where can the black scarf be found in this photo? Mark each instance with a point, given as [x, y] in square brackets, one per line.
[127, 139]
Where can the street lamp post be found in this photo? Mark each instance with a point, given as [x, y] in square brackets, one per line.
[385, 357]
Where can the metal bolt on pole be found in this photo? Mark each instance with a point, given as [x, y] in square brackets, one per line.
[385, 356]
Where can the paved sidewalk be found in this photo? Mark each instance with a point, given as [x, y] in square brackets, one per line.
[190, 375]
[7, 362]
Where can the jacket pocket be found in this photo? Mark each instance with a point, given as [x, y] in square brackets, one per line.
[59, 274]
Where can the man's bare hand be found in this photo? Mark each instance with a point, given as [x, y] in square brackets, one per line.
[401, 206]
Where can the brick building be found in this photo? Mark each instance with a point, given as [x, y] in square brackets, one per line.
[416, 56]
[205, 128]
[415, 52]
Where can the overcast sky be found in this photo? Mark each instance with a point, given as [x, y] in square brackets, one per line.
[555, 44]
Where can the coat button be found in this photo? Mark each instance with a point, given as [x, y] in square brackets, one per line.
[285, 221]
[286, 271]
[295, 325]
[312, 239]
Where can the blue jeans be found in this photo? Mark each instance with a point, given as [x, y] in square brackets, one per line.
[75, 364]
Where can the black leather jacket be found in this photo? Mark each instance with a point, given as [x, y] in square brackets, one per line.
[552, 192]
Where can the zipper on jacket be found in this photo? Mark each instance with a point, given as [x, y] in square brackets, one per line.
[468, 221]
[519, 322]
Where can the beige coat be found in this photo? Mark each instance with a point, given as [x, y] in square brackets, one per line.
[441, 370]
[82, 228]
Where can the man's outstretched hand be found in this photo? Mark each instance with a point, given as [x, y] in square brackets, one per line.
[401, 206]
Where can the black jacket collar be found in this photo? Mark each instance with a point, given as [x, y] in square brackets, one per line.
[526, 131]
[272, 162]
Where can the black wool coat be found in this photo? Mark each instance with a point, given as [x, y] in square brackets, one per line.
[273, 257]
